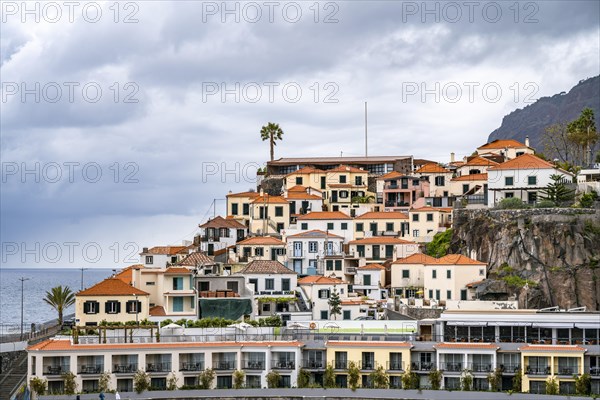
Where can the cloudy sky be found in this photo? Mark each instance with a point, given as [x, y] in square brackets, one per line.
[121, 122]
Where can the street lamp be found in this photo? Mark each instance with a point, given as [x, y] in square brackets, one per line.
[526, 287]
[22, 299]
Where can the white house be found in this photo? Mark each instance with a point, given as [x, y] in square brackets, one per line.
[523, 177]
[160, 256]
[303, 200]
[509, 148]
[318, 290]
[260, 248]
[305, 249]
[219, 233]
[335, 222]
[381, 248]
[438, 177]
[370, 281]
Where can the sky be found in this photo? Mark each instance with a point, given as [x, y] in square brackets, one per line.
[123, 123]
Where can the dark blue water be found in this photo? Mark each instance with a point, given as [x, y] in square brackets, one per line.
[40, 281]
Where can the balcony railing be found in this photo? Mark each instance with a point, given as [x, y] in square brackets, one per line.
[570, 371]
[340, 364]
[91, 369]
[509, 368]
[224, 365]
[422, 366]
[192, 366]
[125, 368]
[57, 369]
[595, 371]
[158, 367]
[397, 204]
[313, 364]
[395, 366]
[476, 367]
[367, 365]
[537, 370]
[275, 293]
[351, 270]
[282, 364]
[452, 367]
[254, 365]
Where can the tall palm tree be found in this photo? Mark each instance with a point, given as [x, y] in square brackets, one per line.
[271, 132]
[60, 298]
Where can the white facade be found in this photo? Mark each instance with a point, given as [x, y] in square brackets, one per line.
[304, 250]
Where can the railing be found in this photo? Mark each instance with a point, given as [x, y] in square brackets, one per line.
[395, 366]
[224, 365]
[192, 366]
[158, 367]
[276, 292]
[451, 367]
[351, 270]
[255, 365]
[422, 366]
[595, 371]
[567, 371]
[281, 364]
[340, 364]
[367, 365]
[57, 369]
[125, 368]
[297, 254]
[476, 367]
[537, 371]
[91, 369]
[312, 364]
[509, 368]
[396, 204]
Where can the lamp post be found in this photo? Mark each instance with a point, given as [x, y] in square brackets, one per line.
[82, 269]
[526, 287]
[22, 301]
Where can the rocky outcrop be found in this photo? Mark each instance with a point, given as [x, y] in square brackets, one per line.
[557, 251]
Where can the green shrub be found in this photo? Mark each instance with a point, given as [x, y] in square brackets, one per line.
[583, 384]
[238, 379]
[517, 381]
[545, 204]
[435, 379]
[38, 385]
[410, 380]
[206, 378]
[70, 386]
[551, 386]
[512, 203]
[141, 381]
[329, 377]
[303, 378]
[379, 378]
[353, 375]
[273, 379]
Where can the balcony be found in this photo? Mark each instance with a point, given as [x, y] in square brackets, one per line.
[509, 368]
[350, 270]
[397, 204]
[340, 364]
[192, 366]
[256, 365]
[595, 371]
[395, 366]
[476, 367]
[568, 371]
[313, 364]
[537, 370]
[125, 368]
[275, 293]
[282, 364]
[451, 367]
[422, 366]
[57, 369]
[91, 369]
[158, 367]
[367, 365]
[224, 365]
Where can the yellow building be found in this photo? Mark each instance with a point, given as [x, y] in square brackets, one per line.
[239, 204]
[438, 177]
[394, 357]
[544, 362]
[381, 223]
[269, 214]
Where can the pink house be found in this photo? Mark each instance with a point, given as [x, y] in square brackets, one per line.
[401, 191]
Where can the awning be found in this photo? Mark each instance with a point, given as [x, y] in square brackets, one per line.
[557, 325]
[589, 325]
[463, 323]
[509, 323]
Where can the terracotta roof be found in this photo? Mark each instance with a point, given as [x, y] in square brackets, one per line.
[126, 274]
[112, 287]
[178, 270]
[553, 348]
[430, 209]
[501, 144]
[306, 171]
[473, 284]
[372, 267]
[343, 185]
[352, 302]
[480, 162]
[458, 259]
[526, 161]
[266, 267]
[170, 250]
[469, 178]
[346, 168]
[324, 215]
[157, 311]
[367, 344]
[244, 194]
[417, 258]
[316, 234]
[381, 240]
[196, 259]
[261, 241]
[266, 198]
[66, 345]
[319, 280]
[391, 175]
[472, 346]
[382, 215]
[220, 222]
[303, 196]
[432, 168]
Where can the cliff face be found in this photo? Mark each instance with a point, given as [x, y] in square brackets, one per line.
[557, 251]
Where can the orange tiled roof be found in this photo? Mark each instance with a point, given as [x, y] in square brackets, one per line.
[480, 162]
[352, 302]
[430, 209]
[367, 344]
[319, 280]
[472, 177]
[381, 240]
[177, 270]
[266, 267]
[66, 345]
[267, 198]
[306, 171]
[195, 259]
[472, 284]
[220, 222]
[244, 194]
[372, 267]
[473, 346]
[126, 274]
[553, 348]
[170, 250]
[346, 168]
[302, 196]
[315, 233]
[112, 287]
[391, 175]
[432, 168]
[525, 161]
[458, 259]
[261, 241]
[157, 311]
[501, 144]
[324, 215]
[382, 215]
[417, 258]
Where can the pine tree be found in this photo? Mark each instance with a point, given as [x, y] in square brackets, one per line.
[334, 304]
[557, 191]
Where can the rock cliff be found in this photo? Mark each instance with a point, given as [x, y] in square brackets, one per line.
[556, 251]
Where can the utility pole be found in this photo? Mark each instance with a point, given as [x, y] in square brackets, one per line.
[22, 301]
[82, 269]
[366, 147]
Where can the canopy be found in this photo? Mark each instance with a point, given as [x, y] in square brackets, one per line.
[242, 326]
[229, 308]
[466, 323]
[172, 326]
[552, 325]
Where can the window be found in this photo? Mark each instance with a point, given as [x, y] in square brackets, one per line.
[258, 251]
[360, 227]
[234, 209]
[233, 286]
[358, 180]
[330, 225]
[415, 233]
[344, 226]
[204, 286]
[133, 306]
[509, 195]
[448, 294]
[430, 293]
[266, 307]
[437, 294]
[150, 283]
[313, 247]
[262, 212]
[279, 211]
[178, 283]
[285, 283]
[389, 226]
[323, 183]
[367, 280]
[406, 273]
[465, 188]
[481, 272]
[429, 217]
[91, 307]
[298, 180]
[437, 201]
[449, 274]
[463, 294]
[360, 248]
[509, 181]
[112, 307]
[440, 181]
[343, 194]
[246, 209]
[149, 259]
[304, 226]
[389, 251]
[324, 314]
[329, 265]
[433, 274]
[177, 304]
[342, 178]
[324, 293]
[269, 284]
[415, 217]
[347, 315]
[338, 265]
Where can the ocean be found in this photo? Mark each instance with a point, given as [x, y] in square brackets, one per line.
[40, 280]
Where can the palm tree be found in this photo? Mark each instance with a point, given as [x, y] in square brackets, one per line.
[60, 298]
[271, 132]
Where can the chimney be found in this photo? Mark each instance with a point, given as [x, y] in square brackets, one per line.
[262, 192]
[144, 250]
[452, 157]
[527, 141]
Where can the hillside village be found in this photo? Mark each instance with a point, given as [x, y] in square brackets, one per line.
[326, 269]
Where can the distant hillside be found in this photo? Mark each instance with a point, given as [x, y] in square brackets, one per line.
[533, 119]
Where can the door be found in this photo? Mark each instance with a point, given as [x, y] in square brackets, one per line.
[329, 248]
[334, 196]
[211, 249]
[254, 284]
[376, 252]
[297, 249]
[297, 267]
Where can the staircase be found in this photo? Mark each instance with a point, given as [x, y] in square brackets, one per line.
[301, 300]
[12, 377]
